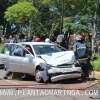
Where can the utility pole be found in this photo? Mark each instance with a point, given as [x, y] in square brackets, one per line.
[62, 15]
[97, 19]
[95, 28]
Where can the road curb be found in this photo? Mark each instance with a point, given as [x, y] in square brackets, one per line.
[86, 86]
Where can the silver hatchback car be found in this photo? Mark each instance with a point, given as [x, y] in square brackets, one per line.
[43, 60]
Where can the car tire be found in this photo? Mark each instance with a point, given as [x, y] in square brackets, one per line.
[2, 66]
[38, 77]
[8, 75]
[12, 75]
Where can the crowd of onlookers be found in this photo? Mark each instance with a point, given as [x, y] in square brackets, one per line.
[63, 40]
[17, 38]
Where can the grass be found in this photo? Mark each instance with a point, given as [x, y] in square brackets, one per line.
[96, 64]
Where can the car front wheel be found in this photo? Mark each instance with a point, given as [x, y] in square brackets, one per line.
[38, 76]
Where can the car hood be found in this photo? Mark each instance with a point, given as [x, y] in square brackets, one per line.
[54, 59]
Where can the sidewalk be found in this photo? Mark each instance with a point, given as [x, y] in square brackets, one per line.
[97, 74]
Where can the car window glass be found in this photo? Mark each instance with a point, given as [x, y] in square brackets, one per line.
[28, 49]
[10, 48]
[18, 51]
[45, 49]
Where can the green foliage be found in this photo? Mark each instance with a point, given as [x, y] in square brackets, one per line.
[45, 15]
[20, 12]
[96, 64]
[81, 7]
[46, 2]
[47, 20]
[77, 28]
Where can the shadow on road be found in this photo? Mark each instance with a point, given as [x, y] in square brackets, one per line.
[67, 81]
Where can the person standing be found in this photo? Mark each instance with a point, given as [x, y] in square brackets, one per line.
[82, 56]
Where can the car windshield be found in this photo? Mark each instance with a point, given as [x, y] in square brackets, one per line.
[45, 49]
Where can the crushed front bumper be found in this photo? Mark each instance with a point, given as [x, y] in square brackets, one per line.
[65, 76]
[57, 74]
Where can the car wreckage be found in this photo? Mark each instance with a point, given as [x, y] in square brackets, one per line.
[43, 60]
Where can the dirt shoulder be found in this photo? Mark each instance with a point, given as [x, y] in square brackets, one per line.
[97, 74]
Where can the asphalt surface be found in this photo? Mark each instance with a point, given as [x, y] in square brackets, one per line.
[20, 88]
[30, 83]
[48, 97]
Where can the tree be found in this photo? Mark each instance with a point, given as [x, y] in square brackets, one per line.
[76, 28]
[49, 13]
[21, 13]
[3, 5]
[48, 17]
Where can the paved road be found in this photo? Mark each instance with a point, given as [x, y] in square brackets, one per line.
[17, 87]
[47, 98]
[22, 96]
[68, 84]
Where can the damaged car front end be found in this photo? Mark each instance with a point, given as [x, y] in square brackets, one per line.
[61, 66]
[65, 72]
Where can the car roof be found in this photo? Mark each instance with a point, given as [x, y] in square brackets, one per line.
[33, 43]
[37, 43]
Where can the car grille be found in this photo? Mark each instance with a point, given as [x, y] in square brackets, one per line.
[65, 66]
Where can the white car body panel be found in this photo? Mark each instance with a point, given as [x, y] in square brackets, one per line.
[55, 59]
[20, 64]
[3, 58]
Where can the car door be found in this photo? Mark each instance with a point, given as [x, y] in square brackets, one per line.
[20, 61]
[29, 59]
